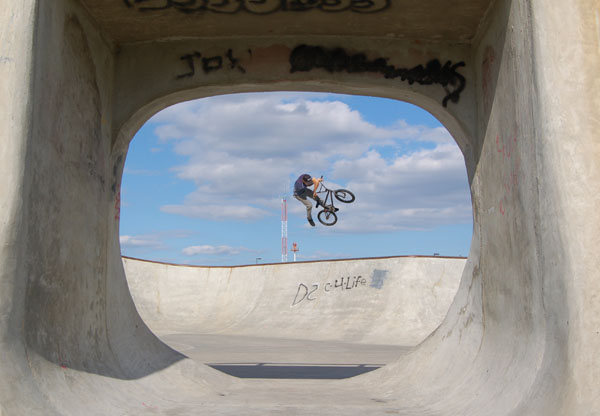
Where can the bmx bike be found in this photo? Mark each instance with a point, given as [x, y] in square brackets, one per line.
[327, 215]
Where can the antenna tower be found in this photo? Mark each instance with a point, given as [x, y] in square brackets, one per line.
[284, 235]
[295, 249]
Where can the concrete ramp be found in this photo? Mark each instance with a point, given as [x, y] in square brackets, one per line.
[395, 301]
[516, 84]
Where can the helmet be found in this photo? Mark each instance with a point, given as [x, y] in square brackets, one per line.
[306, 177]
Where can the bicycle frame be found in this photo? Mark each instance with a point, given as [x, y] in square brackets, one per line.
[328, 215]
[328, 201]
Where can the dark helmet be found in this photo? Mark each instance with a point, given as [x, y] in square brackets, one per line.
[306, 178]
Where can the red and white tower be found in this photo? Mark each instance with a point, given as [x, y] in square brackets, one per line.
[284, 250]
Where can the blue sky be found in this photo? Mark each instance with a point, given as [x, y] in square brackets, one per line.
[204, 179]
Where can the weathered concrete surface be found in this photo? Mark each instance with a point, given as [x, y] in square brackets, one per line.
[520, 95]
[235, 349]
[396, 300]
[457, 21]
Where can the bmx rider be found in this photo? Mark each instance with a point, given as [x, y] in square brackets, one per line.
[302, 192]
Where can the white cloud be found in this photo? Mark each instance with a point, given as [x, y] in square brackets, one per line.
[421, 190]
[223, 250]
[199, 209]
[243, 151]
[140, 241]
[436, 135]
[153, 240]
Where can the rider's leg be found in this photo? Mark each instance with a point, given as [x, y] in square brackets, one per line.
[319, 201]
[322, 203]
[308, 206]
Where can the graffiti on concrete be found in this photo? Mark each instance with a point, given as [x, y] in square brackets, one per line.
[351, 283]
[118, 206]
[487, 78]
[378, 278]
[306, 58]
[259, 6]
[209, 63]
[305, 292]
[116, 167]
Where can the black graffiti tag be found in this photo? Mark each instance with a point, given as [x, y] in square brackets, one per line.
[305, 292]
[209, 64]
[306, 58]
[350, 283]
[259, 6]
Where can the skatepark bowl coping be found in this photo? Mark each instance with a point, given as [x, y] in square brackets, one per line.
[513, 81]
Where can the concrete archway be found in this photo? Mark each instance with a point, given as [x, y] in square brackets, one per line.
[520, 336]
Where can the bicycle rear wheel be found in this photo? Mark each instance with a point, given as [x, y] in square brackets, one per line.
[327, 217]
[344, 195]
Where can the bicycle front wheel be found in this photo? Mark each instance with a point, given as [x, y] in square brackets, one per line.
[327, 217]
[344, 195]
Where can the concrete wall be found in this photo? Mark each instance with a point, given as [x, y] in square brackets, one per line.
[379, 301]
[525, 306]
[566, 63]
[522, 333]
[16, 66]
[501, 319]
[57, 297]
[267, 64]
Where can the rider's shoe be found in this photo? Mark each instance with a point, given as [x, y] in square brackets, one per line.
[319, 202]
[331, 208]
[311, 222]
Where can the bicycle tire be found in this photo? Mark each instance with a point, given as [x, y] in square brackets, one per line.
[344, 195]
[327, 218]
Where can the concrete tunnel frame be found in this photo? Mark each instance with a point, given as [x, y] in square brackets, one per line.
[521, 336]
[400, 91]
[428, 103]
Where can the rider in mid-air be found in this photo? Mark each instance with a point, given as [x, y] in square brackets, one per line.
[302, 192]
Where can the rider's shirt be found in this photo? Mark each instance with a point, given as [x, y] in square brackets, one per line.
[299, 187]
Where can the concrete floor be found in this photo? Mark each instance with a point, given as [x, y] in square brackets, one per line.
[279, 358]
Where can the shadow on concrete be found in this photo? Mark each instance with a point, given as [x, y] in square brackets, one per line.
[294, 370]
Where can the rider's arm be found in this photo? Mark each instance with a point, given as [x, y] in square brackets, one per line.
[316, 182]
